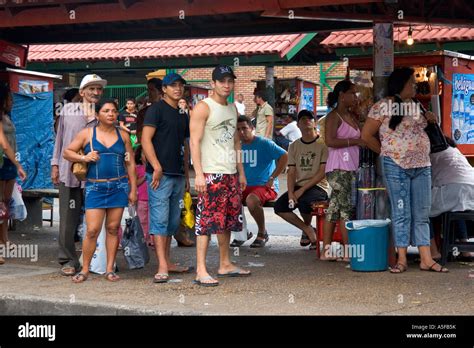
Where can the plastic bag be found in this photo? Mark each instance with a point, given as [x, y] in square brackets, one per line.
[99, 259]
[133, 242]
[187, 215]
[17, 206]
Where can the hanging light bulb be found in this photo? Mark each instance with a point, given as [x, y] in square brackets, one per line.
[410, 40]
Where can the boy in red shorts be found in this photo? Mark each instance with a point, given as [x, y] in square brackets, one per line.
[220, 177]
[259, 156]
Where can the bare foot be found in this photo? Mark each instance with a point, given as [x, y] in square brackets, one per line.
[174, 268]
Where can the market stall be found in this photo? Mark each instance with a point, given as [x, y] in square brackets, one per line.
[291, 96]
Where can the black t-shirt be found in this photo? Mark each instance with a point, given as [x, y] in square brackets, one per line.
[129, 119]
[172, 128]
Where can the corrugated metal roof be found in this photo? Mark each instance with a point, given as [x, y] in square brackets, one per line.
[421, 33]
[249, 45]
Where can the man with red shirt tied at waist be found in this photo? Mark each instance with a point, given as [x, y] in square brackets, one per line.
[220, 177]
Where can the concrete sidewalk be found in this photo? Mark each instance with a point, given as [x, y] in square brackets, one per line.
[287, 279]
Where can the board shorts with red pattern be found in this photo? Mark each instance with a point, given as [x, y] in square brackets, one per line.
[220, 208]
[264, 193]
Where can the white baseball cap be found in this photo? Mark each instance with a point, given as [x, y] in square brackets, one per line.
[92, 79]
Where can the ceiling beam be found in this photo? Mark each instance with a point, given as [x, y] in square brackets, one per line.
[369, 18]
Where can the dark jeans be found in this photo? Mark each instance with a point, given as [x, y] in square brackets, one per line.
[281, 141]
[311, 195]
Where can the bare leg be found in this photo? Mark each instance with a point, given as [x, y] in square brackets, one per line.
[202, 243]
[434, 249]
[112, 224]
[161, 253]
[225, 265]
[256, 210]
[328, 231]
[402, 260]
[293, 219]
[94, 221]
[6, 188]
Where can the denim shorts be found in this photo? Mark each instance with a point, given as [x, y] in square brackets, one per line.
[8, 170]
[110, 194]
[165, 204]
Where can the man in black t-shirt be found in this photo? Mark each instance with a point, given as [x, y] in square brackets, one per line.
[164, 141]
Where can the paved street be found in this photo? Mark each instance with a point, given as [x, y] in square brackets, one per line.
[287, 279]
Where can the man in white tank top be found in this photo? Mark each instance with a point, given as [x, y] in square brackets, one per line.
[220, 177]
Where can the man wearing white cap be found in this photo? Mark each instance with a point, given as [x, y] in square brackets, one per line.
[73, 118]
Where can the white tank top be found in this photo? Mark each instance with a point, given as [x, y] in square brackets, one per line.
[217, 144]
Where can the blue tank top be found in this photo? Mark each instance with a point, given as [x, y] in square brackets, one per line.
[111, 163]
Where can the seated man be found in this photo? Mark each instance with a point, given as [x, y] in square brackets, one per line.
[289, 133]
[259, 156]
[452, 189]
[306, 177]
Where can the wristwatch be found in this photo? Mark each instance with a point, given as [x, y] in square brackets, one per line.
[272, 178]
[83, 158]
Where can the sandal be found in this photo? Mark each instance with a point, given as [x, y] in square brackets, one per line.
[431, 269]
[79, 278]
[238, 272]
[399, 268]
[200, 282]
[260, 243]
[161, 278]
[238, 243]
[2, 260]
[112, 277]
[313, 246]
[68, 271]
[304, 241]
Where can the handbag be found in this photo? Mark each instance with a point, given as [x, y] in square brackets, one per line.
[133, 242]
[79, 169]
[438, 141]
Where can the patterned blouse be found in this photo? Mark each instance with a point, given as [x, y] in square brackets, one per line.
[408, 145]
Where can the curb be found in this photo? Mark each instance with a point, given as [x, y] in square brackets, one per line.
[33, 305]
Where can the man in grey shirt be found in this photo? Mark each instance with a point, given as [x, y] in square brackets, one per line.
[73, 118]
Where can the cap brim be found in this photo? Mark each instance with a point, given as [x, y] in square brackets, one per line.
[103, 83]
[171, 82]
[221, 77]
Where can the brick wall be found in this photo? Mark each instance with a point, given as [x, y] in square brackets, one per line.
[245, 75]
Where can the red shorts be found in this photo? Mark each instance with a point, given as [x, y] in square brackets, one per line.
[264, 193]
[220, 208]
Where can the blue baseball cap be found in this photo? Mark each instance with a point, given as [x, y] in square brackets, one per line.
[171, 78]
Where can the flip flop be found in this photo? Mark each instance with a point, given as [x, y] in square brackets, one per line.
[431, 269]
[79, 278]
[115, 277]
[160, 278]
[400, 267]
[238, 272]
[189, 269]
[207, 285]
